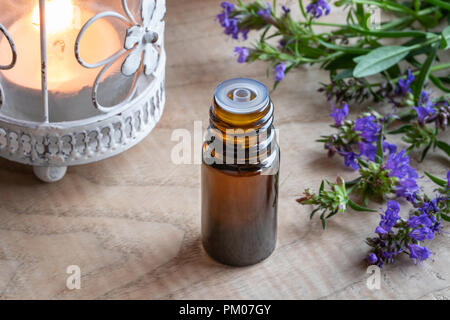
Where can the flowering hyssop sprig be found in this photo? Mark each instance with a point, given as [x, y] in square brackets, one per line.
[383, 172]
[396, 235]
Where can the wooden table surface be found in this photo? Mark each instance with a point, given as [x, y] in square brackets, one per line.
[132, 223]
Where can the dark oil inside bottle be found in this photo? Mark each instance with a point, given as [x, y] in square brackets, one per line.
[240, 197]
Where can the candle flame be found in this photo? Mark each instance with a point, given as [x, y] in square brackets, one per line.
[59, 15]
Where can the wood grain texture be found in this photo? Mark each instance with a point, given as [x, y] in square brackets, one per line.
[132, 223]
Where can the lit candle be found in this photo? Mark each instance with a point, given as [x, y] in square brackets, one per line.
[65, 76]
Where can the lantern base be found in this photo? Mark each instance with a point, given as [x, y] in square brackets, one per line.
[52, 147]
[50, 174]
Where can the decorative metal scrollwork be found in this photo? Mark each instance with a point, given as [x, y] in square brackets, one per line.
[143, 44]
[13, 59]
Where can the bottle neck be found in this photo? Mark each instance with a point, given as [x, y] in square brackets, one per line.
[241, 138]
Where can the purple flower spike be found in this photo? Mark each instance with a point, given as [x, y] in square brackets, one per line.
[339, 114]
[242, 54]
[317, 7]
[369, 127]
[265, 13]
[418, 253]
[403, 85]
[280, 70]
[389, 218]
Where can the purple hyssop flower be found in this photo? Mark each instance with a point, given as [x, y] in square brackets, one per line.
[265, 13]
[280, 72]
[242, 54]
[286, 10]
[403, 85]
[398, 166]
[230, 25]
[418, 253]
[350, 159]
[448, 179]
[372, 258]
[369, 127]
[317, 7]
[339, 114]
[367, 150]
[417, 221]
[389, 218]
[422, 234]
[424, 111]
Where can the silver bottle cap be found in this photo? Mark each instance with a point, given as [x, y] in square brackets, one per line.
[242, 95]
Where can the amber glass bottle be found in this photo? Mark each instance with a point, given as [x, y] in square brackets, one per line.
[240, 170]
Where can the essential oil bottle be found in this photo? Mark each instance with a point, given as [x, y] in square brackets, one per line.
[240, 170]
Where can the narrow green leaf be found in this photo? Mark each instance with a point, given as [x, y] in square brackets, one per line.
[366, 198]
[379, 153]
[424, 72]
[331, 214]
[436, 180]
[313, 212]
[425, 151]
[402, 129]
[322, 186]
[445, 217]
[357, 207]
[444, 146]
[445, 40]
[438, 83]
[440, 3]
[353, 182]
[379, 60]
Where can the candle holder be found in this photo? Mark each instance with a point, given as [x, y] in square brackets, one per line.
[95, 90]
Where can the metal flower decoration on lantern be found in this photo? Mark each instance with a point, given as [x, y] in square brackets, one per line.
[144, 39]
[142, 44]
[13, 58]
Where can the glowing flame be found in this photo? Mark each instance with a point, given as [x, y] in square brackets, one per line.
[59, 15]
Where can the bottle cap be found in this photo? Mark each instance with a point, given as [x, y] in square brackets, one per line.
[242, 95]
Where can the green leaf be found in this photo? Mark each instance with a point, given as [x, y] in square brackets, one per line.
[379, 60]
[313, 212]
[357, 207]
[445, 217]
[424, 72]
[342, 62]
[436, 180]
[438, 83]
[440, 3]
[353, 182]
[344, 74]
[379, 154]
[402, 129]
[444, 146]
[425, 151]
[445, 40]
[322, 186]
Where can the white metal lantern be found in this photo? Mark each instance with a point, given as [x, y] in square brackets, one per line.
[80, 80]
